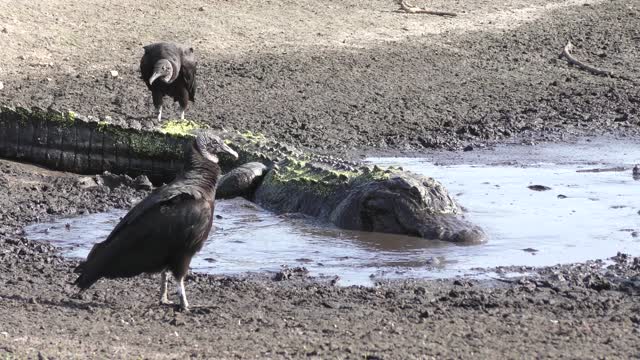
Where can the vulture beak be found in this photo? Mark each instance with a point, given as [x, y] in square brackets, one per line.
[225, 148]
[154, 77]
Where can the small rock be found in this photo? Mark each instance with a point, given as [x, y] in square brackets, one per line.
[539, 187]
[1, 85]
[201, 8]
[530, 250]
[218, 217]
[177, 321]
[142, 182]
[5, 30]
[562, 196]
[287, 273]
[635, 234]
[114, 73]
[468, 148]
[86, 182]
[420, 290]
[329, 305]
[135, 124]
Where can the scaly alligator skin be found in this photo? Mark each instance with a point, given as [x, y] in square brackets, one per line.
[70, 142]
[353, 196]
[348, 194]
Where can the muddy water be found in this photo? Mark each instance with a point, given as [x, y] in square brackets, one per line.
[584, 215]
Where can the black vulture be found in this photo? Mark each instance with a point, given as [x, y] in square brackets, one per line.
[165, 230]
[169, 69]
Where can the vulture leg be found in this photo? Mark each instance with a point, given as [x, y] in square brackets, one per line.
[183, 100]
[164, 299]
[157, 102]
[183, 295]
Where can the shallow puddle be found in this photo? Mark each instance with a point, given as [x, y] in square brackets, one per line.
[584, 215]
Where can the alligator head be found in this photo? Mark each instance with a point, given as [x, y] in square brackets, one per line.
[406, 204]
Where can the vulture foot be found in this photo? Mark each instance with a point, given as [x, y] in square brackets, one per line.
[164, 281]
[184, 304]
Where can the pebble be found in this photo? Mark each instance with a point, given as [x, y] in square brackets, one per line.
[1, 85]
[539, 187]
[114, 73]
[142, 182]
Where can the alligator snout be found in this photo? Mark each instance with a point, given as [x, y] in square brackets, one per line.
[452, 228]
[407, 204]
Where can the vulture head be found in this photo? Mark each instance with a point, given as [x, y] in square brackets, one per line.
[163, 70]
[209, 146]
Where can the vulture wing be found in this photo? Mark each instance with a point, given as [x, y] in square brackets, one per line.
[188, 72]
[160, 226]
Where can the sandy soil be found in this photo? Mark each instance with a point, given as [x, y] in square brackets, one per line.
[340, 76]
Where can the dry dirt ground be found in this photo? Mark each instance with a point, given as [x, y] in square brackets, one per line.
[328, 75]
[340, 75]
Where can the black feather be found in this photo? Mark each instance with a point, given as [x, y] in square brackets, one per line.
[182, 85]
[161, 232]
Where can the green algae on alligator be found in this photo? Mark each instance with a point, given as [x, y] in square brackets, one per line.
[345, 193]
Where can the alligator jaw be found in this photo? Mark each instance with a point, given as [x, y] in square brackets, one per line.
[452, 228]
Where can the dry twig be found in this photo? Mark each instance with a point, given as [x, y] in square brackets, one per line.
[566, 53]
[407, 8]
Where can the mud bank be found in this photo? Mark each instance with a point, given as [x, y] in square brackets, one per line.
[354, 77]
[587, 310]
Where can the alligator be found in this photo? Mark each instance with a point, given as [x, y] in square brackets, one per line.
[349, 194]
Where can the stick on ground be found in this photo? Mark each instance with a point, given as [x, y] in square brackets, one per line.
[566, 53]
[407, 8]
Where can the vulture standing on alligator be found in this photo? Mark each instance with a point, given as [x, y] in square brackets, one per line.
[169, 69]
[165, 230]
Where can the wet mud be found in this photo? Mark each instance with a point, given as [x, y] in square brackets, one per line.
[587, 310]
[370, 80]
